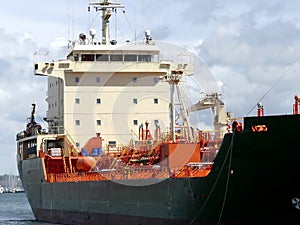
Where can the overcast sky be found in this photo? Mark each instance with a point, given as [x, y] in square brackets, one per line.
[251, 48]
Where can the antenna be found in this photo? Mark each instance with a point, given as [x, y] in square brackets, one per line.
[107, 8]
[70, 20]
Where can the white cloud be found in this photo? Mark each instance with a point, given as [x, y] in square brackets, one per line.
[250, 50]
[18, 88]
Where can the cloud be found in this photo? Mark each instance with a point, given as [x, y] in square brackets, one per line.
[18, 88]
[250, 51]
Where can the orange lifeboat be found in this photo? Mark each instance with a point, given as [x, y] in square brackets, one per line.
[85, 164]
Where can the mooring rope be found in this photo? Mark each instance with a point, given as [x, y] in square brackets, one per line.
[228, 176]
[291, 65]
[229, 153]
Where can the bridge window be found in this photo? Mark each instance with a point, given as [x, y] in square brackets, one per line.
[116, 57]
[87, 57]
[102, 57]
[144, 58]
[130, 58]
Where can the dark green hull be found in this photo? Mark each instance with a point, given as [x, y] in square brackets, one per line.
[254, 180]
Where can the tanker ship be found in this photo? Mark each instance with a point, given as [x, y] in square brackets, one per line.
[120, 146]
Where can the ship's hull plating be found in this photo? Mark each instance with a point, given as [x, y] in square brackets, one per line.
[254, 180]
[109, 219]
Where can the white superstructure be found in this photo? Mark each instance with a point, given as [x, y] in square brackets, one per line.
[106, 88]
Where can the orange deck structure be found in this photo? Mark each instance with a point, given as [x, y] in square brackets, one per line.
[161, 160]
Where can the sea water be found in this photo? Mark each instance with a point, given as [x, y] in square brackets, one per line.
[15, 210]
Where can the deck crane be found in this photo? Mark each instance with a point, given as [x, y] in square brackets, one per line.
[214, 102]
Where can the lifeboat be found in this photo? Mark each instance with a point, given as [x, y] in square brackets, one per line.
[85, 164]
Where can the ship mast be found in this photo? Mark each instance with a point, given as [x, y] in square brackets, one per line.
[107, 8]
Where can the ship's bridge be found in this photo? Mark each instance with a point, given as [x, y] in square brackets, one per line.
[137, 52]
[131, 57]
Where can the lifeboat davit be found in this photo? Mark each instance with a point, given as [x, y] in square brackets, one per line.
[85, 164]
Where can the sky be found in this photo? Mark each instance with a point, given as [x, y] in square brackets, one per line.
[250, 48]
